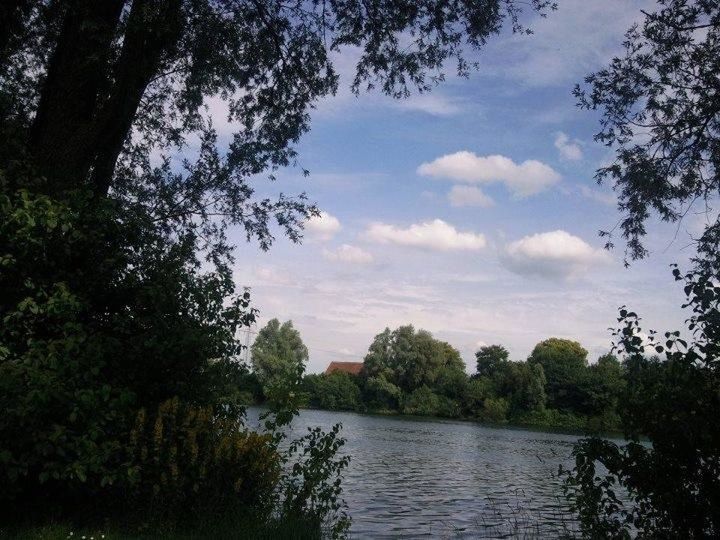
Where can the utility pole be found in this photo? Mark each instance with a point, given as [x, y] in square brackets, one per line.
[249, 330]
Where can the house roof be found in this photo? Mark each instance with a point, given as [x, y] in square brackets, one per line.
[353, 368]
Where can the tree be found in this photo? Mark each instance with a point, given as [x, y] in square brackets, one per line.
[524, 384]
[78, 78]
[410, 359]
[421, 402]
[660, 106]
[115, 197]
[278, 356]
[380, 394]
[673, 484]
[564, 364]
[490, 358]
[336, 391]
[604, 385]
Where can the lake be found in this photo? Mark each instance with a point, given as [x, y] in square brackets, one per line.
[412, 477]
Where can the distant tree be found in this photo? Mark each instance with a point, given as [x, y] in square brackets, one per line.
[379, 394]
[278, 355]
[524, 385]
[451, 382]
[495, 410]
[421, 402]
[564, 364]
[490, 358]
[604, 385]
[410, 359]
[476, 392]
[659, 103]
[336, 391]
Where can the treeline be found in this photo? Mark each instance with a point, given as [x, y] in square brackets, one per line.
[409, 372]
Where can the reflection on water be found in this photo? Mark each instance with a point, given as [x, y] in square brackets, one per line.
[433, 478]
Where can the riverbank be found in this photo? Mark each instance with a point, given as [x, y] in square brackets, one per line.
[564, 423]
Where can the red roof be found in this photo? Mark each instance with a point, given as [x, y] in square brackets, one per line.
[353, 368]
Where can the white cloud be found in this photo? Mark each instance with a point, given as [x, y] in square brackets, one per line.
[604, 197]
[269, 275]
[556, 254]
[436, 235]
[526, 178]
[469, 196]
[348, 254]
[569, 43]
[323, 227]
[569, 150]
[434, 104]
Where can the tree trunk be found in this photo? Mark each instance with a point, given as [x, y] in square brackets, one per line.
[77, 74]
[153, 31]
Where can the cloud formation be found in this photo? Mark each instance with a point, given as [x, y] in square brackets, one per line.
[323, 227]
[436, 235]
[569, 150]
[555, 254]
[348, 254]
[469, 196]
[434, 104]
[527, 178]
[604, 197]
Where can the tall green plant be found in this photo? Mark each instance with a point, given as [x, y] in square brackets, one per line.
[672, 481]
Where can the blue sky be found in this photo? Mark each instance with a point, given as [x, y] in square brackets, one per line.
[471, 212]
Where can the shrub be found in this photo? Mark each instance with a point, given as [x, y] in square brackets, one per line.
[421, 402]
[495, 410]
[187, 460]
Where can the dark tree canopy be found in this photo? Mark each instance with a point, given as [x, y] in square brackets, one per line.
[671, 400]
[94, 89]
[563, 362]
[490, 358]
[660, 105]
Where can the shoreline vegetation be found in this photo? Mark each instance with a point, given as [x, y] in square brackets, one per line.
[610, 434]
[409, 372]
[120, 205]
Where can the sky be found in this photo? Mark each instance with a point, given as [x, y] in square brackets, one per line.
[470, 212]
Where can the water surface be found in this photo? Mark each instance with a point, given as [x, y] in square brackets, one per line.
[434, 478]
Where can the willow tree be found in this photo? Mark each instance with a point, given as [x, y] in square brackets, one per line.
[91, 89]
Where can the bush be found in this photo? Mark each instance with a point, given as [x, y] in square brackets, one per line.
[187, 461]
[672, 485]
[118, 384]
[421, 402]
[495, 410]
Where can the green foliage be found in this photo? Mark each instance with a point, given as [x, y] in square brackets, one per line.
[564, 365]
[525, 384]
[495, 410]
[278, 357]
[659, 103]
[381, 395]
[409, 359]
[336, 391]
[187, 461]
[90, 330]
[490, 359]
[312, 489]
[422, 402]
[673, 483]
[409, 372]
